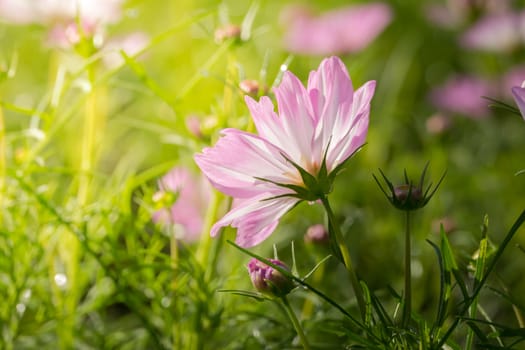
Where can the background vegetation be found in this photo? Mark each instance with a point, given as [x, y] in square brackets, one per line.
[84, 144]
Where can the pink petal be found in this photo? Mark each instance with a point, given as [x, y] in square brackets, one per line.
[255, 218]
[295, 116]
[238, 157]
[346, 141]
[331, 89]
[519, 97]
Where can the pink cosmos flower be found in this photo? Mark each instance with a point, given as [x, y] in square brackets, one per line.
[453, 13]
[496, 33]
[192, 196]
[344, 30]
[519, 96]
[463, 95]
[50, 12]
[60, 16]
[296, 154]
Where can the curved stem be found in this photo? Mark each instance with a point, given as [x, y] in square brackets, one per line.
[334, 229]
[407, 310]
[295, 323]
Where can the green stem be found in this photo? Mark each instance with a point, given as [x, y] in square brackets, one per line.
[295, 323]
[341, 245]
[308, 304]
[174, 257]
[407, 309]
[203, 249]
[2, 159]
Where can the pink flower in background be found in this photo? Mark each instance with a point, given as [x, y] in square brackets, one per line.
[513, 77]
[61, 17]
[316, 130]
[344, 30]
[49, 12]
[463, 95]
[131, 44]
[496, 33]
[192, 193]
[519, 96]
[456, 12]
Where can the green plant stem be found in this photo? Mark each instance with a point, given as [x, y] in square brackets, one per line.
[295, 322]
[513, 230]
[2, 160]
[308, 304]
[174, 258]
[407, 306]
[203, 249]
[341, 245]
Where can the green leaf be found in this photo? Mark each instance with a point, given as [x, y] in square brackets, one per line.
[244, 293]
[325, 259]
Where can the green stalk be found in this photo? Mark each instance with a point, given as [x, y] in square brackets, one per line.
[335, 230]
[203, 249]
[2, 159]
[295, 322]
[407, 306]
[308, 304]
[73, 252]
[174, 257]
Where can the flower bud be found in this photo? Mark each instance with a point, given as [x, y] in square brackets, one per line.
[408, 197]
[269, 281]
[317, 234]
[229, 31]
[250, 87]
[193, 124]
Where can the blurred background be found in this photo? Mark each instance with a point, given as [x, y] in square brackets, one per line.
[100, 99]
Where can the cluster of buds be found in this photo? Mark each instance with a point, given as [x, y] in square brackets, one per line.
[408, 196]
[267, 280]
[226, 32]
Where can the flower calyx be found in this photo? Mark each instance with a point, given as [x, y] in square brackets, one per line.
[408, 196]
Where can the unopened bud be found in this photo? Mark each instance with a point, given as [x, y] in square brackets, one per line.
[193, 124]
[409, 196]
[316, 234]
[269, 281]
[229, 31]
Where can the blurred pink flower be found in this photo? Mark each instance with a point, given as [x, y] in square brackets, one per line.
[496, 33]
[131, 44]
[463, 95]
[344, 30]
[60, 16]
[456, 12]
[317, 129]
[68, 35]
[192, 196]
[53, 11]
[519, 97]
[513, 77]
